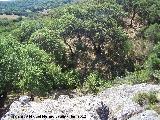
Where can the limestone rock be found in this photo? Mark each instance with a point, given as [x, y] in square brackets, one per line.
[115, 103]
[146, 115]
[24, 100]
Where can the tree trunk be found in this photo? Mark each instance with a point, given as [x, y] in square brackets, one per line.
[133, 16]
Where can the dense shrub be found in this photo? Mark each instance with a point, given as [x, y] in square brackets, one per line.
[26, 29]
[150, 71]
[94, 38]
[148, 10]
[153, 63]
[153, 33]
[48, 41]
[27, 68]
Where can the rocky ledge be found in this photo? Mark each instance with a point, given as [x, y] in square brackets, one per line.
[115, 103]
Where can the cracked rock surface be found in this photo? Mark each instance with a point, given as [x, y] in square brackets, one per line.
[115, 103]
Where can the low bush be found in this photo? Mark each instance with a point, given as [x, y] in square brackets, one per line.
[146, 98]
[149, 100]
[94, 83]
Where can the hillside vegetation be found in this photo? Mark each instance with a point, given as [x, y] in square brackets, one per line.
[29, 7]
[89, 45]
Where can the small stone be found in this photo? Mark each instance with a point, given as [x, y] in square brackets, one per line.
[24, 100]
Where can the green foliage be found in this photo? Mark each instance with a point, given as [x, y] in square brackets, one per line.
[27, 68]
[7, 62]
[33, 72]
[4, 22]
[27, 7]
[153, 63]
[99, 23]
[7, 25]
[25, 30]
[141, 76]
[153, 33]
[146, 98]
[149, 100]
[47, 40]
[148, 10]
[94, 83]
[68, 80]
[150, 70]
[20, 65]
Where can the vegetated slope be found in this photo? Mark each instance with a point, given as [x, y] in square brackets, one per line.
[83, 45]
[25, 7]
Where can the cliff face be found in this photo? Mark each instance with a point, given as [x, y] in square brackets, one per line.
[115, 103]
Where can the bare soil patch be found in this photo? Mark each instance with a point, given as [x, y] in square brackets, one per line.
[10, 17]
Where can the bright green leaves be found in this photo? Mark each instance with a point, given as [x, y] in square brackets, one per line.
[26, 29]
[154, 59]
[94, 83]
[23, 66]
[49, 41]
[28, 68]
[8, 61]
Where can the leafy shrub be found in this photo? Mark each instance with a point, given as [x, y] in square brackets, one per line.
[153, 63]
[27, 68]
[48, 41]
[146, 98]
[148, 10]
[94, 30]
[9, 64]
[153, 33]
[25, 30]
[149, 100]
[69, 80]
[150, 71]
[4, 22]
[94, 83]
[141, 76]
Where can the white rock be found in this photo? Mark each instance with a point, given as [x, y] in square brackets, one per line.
[118, 99]
[146, 115]
[24, 100]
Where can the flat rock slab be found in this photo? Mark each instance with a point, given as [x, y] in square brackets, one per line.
[118, 99]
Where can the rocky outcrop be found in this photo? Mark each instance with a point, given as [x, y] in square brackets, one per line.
[146, 115]
[115, 103]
